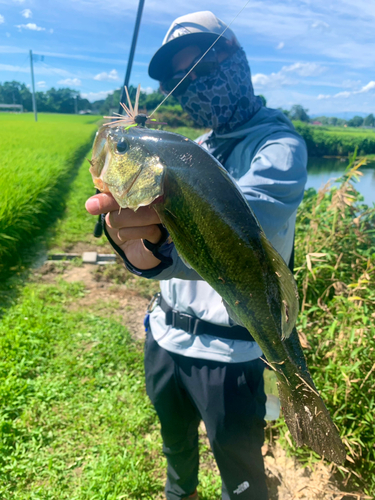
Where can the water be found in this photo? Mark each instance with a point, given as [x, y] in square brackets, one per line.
[321, 170]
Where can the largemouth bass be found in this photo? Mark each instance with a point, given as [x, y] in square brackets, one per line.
[217, 234]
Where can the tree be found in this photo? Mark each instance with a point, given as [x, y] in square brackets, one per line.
[16, 93]
[285, 111]
[299, 113]
[333, 121]
[369, 121]
[56, 100]
[264, 100]
[356, 121]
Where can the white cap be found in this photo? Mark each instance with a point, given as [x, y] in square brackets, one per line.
[198, 28]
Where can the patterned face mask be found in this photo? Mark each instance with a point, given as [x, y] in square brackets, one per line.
[225, 99]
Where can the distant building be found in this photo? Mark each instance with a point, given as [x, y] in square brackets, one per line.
[316, 123]
[12, 108]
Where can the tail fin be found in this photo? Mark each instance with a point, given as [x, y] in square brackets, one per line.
[308, 419]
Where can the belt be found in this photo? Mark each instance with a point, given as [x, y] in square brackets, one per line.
[196, 326]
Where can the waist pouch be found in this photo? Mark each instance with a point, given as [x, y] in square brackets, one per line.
[195, 326]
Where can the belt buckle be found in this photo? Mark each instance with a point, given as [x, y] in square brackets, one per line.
[155, 301]
[182, 321]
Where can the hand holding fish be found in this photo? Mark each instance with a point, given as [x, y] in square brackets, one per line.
[128, 228]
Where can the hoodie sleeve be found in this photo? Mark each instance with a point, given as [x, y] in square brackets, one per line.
[171, 266]
[274, 184]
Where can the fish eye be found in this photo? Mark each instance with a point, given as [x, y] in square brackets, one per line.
[122, 146]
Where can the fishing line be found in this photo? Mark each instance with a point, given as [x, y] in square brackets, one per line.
[199, 60]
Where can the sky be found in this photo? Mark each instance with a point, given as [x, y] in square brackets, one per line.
[318, 53]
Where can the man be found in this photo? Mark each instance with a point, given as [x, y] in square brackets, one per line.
[198, 365]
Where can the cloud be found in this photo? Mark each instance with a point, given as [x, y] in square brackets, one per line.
[304, 69]
[96, 96]
[147, 90]
[30, 26]
[286, 76]
[280, 46]
[4, 49]
[321, 26]
[366, 88]
[70, 81]
[107, 77]
[2, 19]
[41, 84]
[27, 13]
[39, 70]
[351, 84]
[345, 94]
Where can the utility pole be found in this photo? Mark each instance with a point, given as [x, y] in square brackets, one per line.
[76, 105]
[33, 84]
[131, 55]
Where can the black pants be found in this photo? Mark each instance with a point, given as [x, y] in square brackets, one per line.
[230, 399]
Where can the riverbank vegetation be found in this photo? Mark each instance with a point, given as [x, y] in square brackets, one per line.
[335, 269]
[336, 141]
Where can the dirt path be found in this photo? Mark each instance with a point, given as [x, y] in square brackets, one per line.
[110, 289]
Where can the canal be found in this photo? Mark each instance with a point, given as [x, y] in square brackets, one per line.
[322, 170]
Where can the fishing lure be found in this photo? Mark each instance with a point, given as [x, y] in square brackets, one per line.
[132, 118]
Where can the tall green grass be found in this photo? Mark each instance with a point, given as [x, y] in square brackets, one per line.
[36, 161]
[335, 255]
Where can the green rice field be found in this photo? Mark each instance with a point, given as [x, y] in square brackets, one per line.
[37, 160]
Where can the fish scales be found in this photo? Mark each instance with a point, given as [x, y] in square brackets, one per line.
[217, 234]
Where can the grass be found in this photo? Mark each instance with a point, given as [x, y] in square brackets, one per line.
[75, 419]
[38, 160]
[75, 422]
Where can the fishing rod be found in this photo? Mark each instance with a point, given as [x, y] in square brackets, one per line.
[98, 229]
[131, 54]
